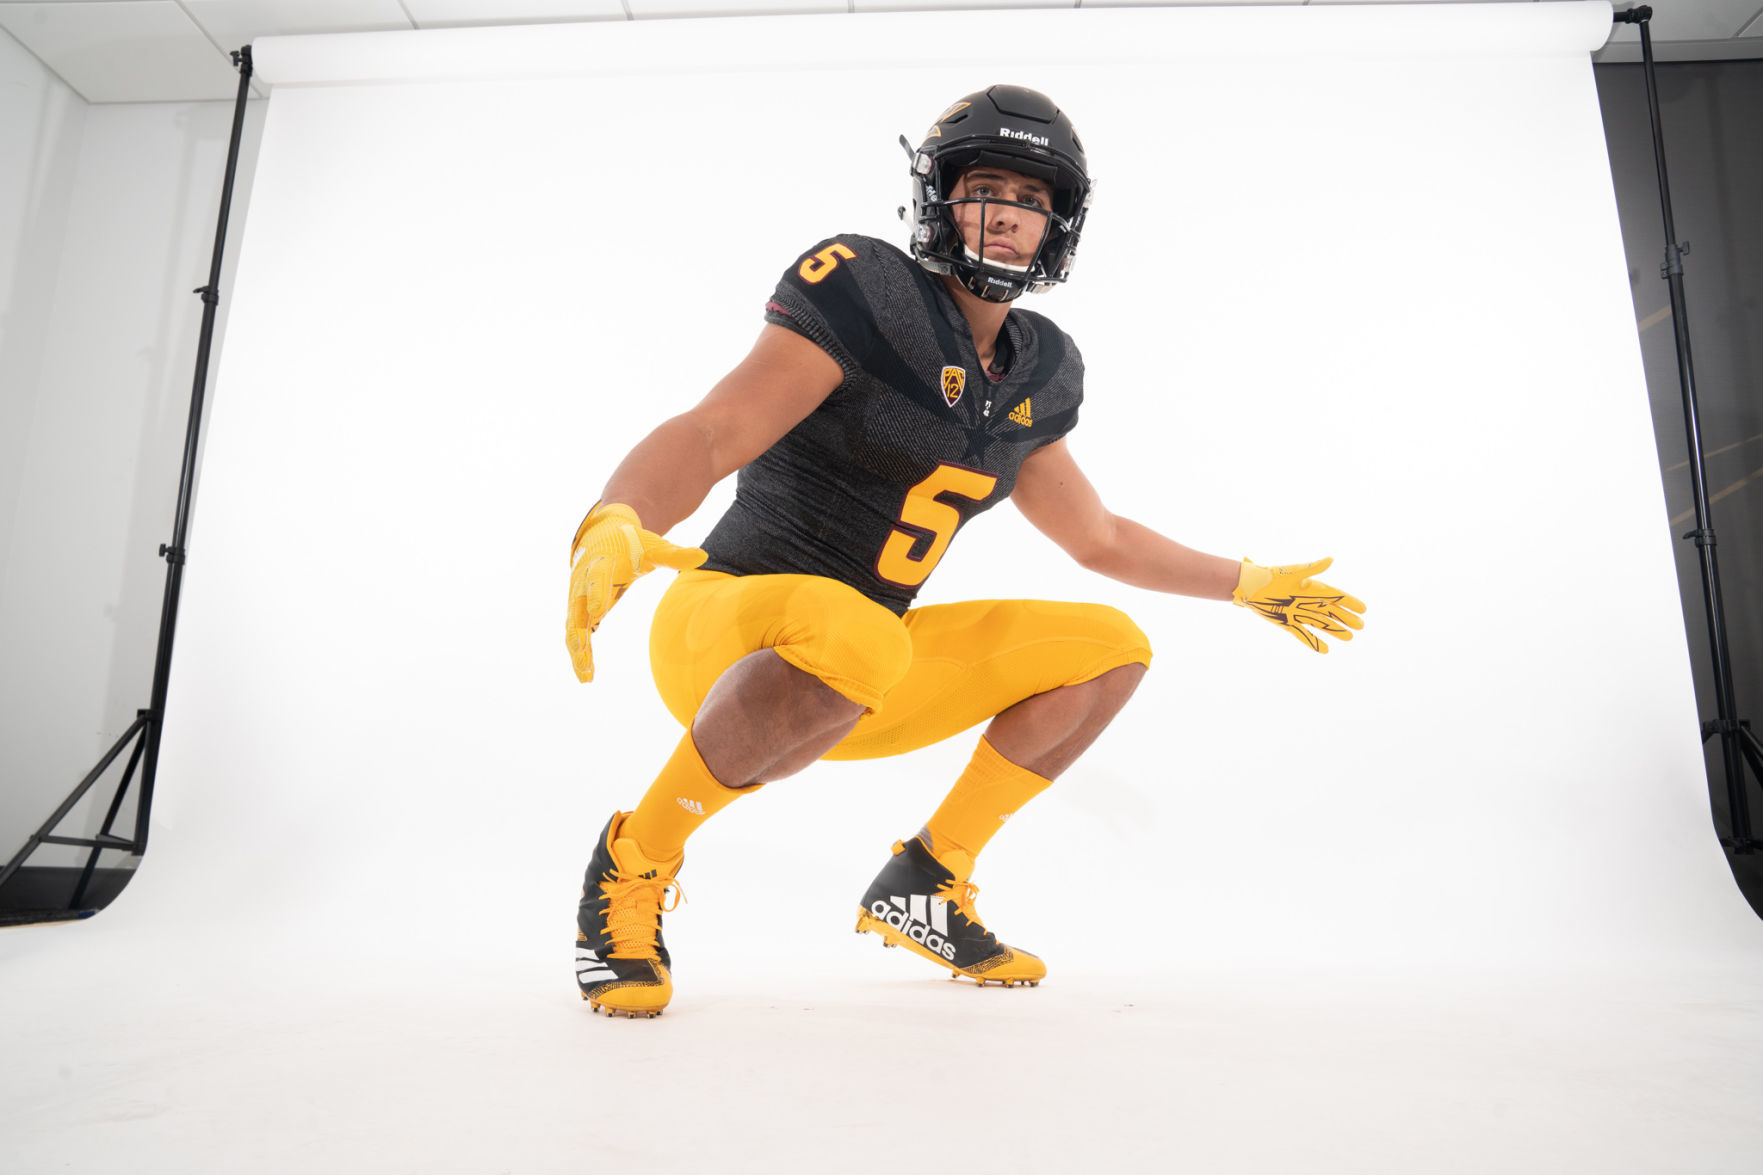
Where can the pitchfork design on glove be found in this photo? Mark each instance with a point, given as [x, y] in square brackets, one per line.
[1288, 597]
[611, 550]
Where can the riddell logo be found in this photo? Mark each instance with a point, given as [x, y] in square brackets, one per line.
[692, 806]
[1025, 136]
[917, 929]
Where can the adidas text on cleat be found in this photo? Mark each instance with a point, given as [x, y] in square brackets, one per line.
[621, 963]
[924, 905]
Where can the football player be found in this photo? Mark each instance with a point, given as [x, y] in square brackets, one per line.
[890, 398]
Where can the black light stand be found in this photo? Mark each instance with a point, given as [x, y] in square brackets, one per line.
[1738, 743]
[145, 731]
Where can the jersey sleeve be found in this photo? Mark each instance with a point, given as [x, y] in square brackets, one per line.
[821, 297]
[1066, 419]
[1049, 408]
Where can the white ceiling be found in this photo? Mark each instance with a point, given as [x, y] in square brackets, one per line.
[178, 50]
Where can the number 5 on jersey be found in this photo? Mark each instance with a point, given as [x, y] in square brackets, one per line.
[924, 513]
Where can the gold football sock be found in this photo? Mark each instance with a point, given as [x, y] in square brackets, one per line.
[682, 797]
[987, 794]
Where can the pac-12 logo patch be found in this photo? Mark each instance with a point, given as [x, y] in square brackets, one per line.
[954, 382]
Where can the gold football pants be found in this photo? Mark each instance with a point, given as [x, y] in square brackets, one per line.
[922, 677]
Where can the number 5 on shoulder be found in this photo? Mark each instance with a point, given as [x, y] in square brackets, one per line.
[815, 268]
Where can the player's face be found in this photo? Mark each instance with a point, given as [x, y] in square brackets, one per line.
[1010, 234]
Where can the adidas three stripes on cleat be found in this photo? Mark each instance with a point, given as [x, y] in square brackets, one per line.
[920, 903]
[621, 962]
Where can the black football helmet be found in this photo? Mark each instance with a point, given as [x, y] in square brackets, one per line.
[1009, 127]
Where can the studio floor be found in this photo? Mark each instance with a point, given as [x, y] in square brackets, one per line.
[870, 1062]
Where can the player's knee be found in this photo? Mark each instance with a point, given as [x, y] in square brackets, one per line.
[1106, 632]
[1118, 630]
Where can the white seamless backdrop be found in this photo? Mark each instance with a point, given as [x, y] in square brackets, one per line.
[1376, 312]
[1353, 286]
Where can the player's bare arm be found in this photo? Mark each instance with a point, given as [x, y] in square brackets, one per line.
[1055, 496]
[1060, 502]
[667, 475]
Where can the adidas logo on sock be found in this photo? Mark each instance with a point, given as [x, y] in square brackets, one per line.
[692, 806]
[923, 919]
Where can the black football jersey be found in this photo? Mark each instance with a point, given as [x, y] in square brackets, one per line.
[870, 488]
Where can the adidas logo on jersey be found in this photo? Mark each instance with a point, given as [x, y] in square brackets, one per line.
[1021, 414]
[692, 806]
[1025, 136]
[924, 920]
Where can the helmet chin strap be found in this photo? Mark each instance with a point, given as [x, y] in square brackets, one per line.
[978, 260]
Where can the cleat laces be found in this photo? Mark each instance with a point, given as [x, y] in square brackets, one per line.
[634, 906]
[963, 895]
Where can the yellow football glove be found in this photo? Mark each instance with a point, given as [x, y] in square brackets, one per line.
[1288, 597]
[610, 551]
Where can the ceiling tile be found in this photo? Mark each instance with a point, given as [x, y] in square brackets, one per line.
[137, 51]
[645, 9]
[232, 23]
[925, 5]
[1413, 1]
[1179, 3]
[1703, 20]
[440, 14]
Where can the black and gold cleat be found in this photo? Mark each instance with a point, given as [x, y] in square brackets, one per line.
[926, 905]
[621, 962]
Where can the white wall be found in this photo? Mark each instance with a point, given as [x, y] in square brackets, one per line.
[112, 225]
[40, 123]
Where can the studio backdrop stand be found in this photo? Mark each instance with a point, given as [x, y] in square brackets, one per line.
[1738, 743]
[144, 733]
